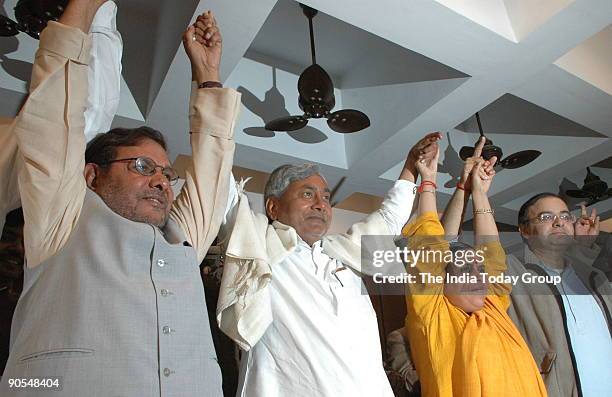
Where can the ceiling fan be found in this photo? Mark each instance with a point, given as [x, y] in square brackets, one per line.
[515, 160]
[594, 189]
[32, 17]
[316, 98]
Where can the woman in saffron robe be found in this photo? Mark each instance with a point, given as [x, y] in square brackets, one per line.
[463, 343]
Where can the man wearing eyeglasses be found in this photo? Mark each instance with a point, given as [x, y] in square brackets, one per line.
[567, 326]
[113, 303]
[123, 168]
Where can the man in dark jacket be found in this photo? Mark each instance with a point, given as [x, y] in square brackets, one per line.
[566, 324]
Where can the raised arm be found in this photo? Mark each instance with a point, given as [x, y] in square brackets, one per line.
[104, 76]
[49, 131]
[9, 190]
[426, 149]
[200, 207]
[455, 209]
[397, 206]
[426, 236]
[485, 230]
[426, 231]
[428, 169]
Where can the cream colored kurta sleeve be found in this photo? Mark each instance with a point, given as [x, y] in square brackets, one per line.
[9, 194]
[49, 131]
[200, 207]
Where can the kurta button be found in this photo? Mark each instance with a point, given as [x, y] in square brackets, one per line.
[161, 263]
[167, 330]
[165, 292]
[168, 372]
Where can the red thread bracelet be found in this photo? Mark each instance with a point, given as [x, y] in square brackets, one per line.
[461, 186]
[426, 183]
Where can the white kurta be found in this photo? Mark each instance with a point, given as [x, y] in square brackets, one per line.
[323, 340]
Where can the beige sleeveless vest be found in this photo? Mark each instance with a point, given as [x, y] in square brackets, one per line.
[118, 311]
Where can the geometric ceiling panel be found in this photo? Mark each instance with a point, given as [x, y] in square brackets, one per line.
[239, 24]
[528, 15]
[150, 29]
[127, 103]
[391, 108]
[512, 19]
[574, 181]
[491, 14]
[510, 114]
[607, 163]
[352, 56]
[450, 165]
[16, 55]
[10, 102]
[554, 152]
[592, 60]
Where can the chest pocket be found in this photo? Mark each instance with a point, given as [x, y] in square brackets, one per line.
[350, 296]
[57, 353]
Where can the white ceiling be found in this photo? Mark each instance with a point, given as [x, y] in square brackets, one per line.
[538, 71]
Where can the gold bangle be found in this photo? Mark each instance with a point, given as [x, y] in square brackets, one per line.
[484, 211]
[428, 191]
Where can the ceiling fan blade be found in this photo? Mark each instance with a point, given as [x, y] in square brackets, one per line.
[466, 152]
[576, 193]
[519, 159]
[315, 85]
[8, 27]
[290, 123]
[347, 121]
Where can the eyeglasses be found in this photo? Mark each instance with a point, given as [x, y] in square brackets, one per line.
[145, 166]
[549, 217]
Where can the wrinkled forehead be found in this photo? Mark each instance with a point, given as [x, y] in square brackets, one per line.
[145, 148]
[547, 204]
[316, 181]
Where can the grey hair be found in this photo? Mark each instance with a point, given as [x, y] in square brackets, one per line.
[284, 175]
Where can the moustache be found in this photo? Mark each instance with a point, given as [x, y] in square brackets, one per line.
[321, 217]
[157, 196]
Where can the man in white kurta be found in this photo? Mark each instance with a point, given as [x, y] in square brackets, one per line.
[298, 307]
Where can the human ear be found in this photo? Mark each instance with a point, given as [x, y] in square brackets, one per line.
[272, 208]
[91, 173]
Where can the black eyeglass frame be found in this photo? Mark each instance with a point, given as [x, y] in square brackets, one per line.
[169, 172]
